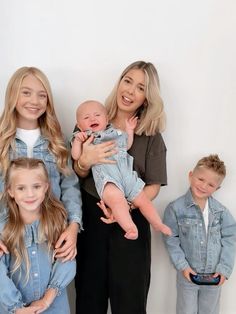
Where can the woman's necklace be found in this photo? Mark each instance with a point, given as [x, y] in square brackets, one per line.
[119, 125]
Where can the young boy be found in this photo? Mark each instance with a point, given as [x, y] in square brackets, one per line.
[117, 182]
[203, 239]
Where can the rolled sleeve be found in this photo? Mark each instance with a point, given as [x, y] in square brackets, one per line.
[61, 275]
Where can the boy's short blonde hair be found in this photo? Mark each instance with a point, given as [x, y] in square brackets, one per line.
[214, 163]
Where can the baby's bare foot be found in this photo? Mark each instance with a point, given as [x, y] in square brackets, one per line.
[131, 234]
[163, 229]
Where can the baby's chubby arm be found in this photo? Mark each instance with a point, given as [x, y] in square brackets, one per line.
[130, 125]
[76, 146]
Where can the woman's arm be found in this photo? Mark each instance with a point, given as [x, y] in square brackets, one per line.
[93, 154]
[152, 190]
[65, 247]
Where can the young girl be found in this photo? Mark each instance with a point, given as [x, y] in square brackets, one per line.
[29, 127]
[32, 281]
[115, 183]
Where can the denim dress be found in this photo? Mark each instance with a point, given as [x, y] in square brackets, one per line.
[44, 273]
[65, 188]
[121, 173]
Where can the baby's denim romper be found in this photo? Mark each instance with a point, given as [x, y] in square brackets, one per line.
[121, 173]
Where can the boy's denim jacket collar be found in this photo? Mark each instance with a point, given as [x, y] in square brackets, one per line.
[191, 246]
[214, 206]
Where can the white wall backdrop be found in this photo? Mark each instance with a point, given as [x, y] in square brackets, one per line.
[83, 46]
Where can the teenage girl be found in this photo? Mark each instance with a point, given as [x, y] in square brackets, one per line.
[29, 127]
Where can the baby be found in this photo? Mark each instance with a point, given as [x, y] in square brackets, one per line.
[117, 183]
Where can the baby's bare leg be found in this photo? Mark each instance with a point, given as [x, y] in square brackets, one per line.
[149, 212]
[114, 198]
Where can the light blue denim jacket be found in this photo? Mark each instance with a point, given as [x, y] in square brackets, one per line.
[44, 274]
[65, 188]
[190, 245]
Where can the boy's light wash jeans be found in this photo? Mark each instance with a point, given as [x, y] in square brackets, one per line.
[196, 299]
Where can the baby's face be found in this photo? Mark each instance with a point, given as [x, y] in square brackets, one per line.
[91, 116]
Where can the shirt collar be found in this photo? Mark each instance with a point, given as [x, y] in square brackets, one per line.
[31, 233]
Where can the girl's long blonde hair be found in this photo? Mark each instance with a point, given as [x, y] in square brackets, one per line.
[52, 222]
[48, 122]
[151, 113]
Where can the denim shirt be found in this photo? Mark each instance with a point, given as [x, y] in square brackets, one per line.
[65, 188]
[191, 246]
[44, 274]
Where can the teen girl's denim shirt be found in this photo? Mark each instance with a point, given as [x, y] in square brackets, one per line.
[65, 188]
[44, 273]
[191, 246]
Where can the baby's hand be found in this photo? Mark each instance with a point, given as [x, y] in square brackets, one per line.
[131, 123]
[81, 137]
[65, 247]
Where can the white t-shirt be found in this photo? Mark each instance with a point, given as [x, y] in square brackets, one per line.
[29, 137]
[205, 214]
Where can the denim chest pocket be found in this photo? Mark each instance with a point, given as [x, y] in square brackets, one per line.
[215, 230]
[188, 227]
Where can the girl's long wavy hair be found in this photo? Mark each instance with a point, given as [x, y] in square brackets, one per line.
[48, 122]
[52, 222]
[151, 113]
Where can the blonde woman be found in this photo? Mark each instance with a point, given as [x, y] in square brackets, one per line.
[29, 127]
[110, 267]
[32, 281]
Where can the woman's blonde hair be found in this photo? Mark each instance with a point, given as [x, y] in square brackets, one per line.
[151, 113]
[52, 222]
[48, 122]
